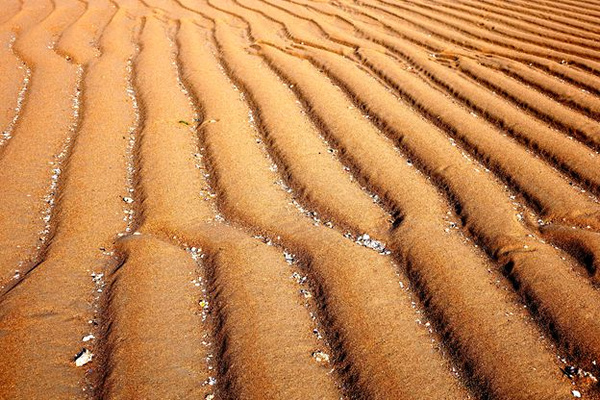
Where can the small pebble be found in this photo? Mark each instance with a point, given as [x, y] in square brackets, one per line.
[289, 258]
[321, 356]
[88, 338]
[83, 357]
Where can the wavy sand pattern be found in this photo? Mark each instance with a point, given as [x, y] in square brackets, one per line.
[299, 199]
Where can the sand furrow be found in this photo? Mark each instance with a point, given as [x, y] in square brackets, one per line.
[310, 31]
[244, 276]
[561, 150]
[562, 290]
[433, 69]
[478, 96]
[59, 294]
[80, 40]
[304, 156]
[522, 21]
[155, 329]
[498, 34]
[557, 10]
[562, 9]
[261, 202]
[500, 230]
[423, 219]
[13, 87]
[577, 5]
[576, 77]
[529, 9]
[534, 133]
[428, 32]
[571, 123]
[15, 75]
[560, 91]
[582, 244]
[145, 299]
[554, 196]
[31, 163]
[292, 199]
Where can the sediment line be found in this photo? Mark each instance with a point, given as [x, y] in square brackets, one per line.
[13, 96]
[226, 257]
[252, 209]
[61, 293]
[430, 215]
[41, 138]
[430, 34]
[500, 231]
[520, 21]
[291, 199]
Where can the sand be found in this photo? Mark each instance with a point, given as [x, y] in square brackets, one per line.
[299, 199]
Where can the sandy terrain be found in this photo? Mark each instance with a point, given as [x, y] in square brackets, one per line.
[299, 199]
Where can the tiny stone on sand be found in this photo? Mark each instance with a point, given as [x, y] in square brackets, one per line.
[320, 356]
[83, 357]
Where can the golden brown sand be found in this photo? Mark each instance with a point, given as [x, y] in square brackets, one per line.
[299, 199]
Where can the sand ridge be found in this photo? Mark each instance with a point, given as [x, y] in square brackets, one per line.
[292, 199]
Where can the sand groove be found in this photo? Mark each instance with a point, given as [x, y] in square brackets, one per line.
[292, 199]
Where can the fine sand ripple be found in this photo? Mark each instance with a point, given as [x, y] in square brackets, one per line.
[299, 199]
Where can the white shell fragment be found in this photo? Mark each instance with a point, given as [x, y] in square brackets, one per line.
[289, 258]
[83, 357]
[576, 393]
[320, 356]
[365, 240]
[88, 338]
[211, 381]
[97, 278]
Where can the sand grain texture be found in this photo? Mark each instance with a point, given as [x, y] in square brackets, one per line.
[299, 199]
